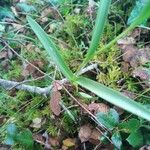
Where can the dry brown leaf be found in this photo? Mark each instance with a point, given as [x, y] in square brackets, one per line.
[95, 136]
[37, 123]
[53, 141]
[98, 107]
[85, 133]
[3, 55]
[145, 147]
[132, 54]
[31, 70]
[49, 12]
[54, 102]
[57, 85]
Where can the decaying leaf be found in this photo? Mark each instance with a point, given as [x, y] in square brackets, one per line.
[98, 107]
[54, 102]
[85, 133]
[49, 13]
[143, 74]
[89, 133]
[31, 70]
[145, 147]
[37, 123]
[95, 136]
[131, 54]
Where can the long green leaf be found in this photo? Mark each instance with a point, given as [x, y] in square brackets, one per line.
[114, 97]
[144, 15]
[50, 48]
[98, 30]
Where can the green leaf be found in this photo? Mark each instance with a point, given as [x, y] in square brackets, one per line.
[11, 133]
[9, 140]
[98, 30]
[136, 11]
[135, 138]
[25, 7]
[50, 48]
[114, 97]
[109, 120]
[25, 138]
[85, 95]
[11, 129]
[130, 125]
[144, 14]
[117, 140]
[5, 12]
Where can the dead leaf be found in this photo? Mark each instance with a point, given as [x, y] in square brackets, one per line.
[54, 102]
[3, 55]
[69, 142]
[49, 12]
[95, 136]
[18, 27]
[37, 123]
[53, 141]
[145, 147]
[28, 69]
[98, 107]
[131, 54]
[85, 133]
[126, 41]
[142, 73]
[57, 85]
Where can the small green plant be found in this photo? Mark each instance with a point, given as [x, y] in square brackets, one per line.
[132, 130]
[15, 137]
[100, 90]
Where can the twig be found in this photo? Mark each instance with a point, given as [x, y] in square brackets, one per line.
[34, 89]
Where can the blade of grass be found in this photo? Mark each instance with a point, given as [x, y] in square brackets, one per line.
[144, 15]
[51, 48]
[114, 97]
[98, 30]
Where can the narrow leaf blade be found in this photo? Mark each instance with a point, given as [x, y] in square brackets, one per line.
[114, 97]
[50, 48]
[98, 30]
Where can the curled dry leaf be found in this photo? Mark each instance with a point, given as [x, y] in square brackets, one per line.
[31, 70]
[98, 107]
[132, 54]
[145, 147]
[95, 136]
[85, 133]
[142, 73]
[54, 102]
[37, 123]
[89, 133]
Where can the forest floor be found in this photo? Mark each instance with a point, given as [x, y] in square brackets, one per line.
[39, 108]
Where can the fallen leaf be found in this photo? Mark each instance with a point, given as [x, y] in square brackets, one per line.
[142, 73]
[54, 102]
[37, 123]
[18, 27]
[31, 70]
[131, 54]
[49, 12]
[53, 141]
[85, 133]
[95, 136]
[98, 107]
[145, 147]
[69, 142]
